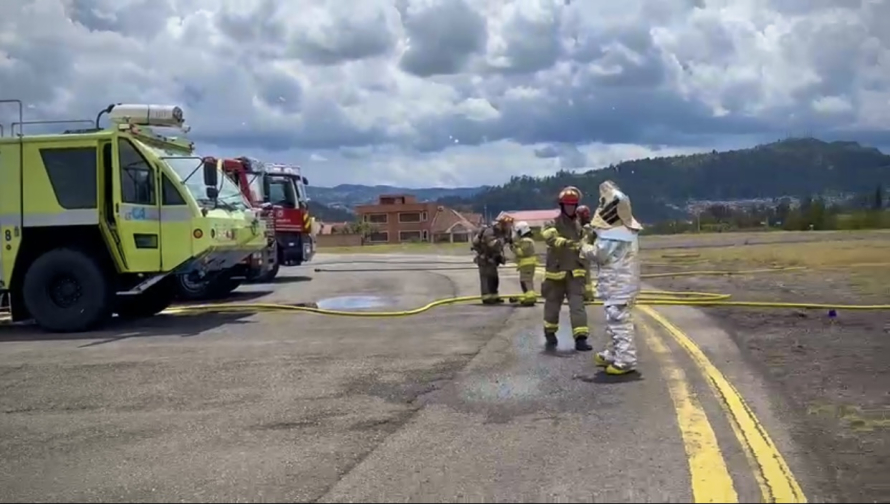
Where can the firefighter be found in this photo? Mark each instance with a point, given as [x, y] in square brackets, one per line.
[489, 247]
[618, 279]
[564, 272]
[583, 212]
[526, 263]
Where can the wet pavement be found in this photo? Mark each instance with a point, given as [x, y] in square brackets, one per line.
[347, 303]
[460, 403]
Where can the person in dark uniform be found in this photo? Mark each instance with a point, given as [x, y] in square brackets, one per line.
[489, 245]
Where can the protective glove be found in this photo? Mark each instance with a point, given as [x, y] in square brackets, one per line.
[572, 244]
[588, 253]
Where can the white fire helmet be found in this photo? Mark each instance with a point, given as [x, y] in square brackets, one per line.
[522, 228]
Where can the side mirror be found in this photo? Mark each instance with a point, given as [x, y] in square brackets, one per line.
[212, 192]
[305, 181]
[211, 176]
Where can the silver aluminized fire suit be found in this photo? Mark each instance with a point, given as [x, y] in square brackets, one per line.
[618, 283]
[616, 254]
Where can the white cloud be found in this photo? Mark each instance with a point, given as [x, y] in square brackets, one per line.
[452, 92]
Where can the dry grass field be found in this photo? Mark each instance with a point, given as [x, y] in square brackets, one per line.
[647, 242]
[863, 264]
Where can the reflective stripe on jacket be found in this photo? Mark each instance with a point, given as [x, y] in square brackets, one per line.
[563, 239]
[525, 254]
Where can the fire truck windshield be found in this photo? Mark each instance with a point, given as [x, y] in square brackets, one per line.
[282, 192]
[189, 167]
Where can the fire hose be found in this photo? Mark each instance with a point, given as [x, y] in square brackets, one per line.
[646, 297]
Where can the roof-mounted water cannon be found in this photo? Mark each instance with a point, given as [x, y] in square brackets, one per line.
[129, 114]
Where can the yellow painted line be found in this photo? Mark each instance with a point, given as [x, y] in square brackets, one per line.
[708, 473]
[777, 482]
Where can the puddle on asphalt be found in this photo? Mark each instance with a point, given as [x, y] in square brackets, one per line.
[504, 388]
[353, 302]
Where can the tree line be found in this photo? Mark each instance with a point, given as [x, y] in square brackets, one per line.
[867, 211]
[663, 188]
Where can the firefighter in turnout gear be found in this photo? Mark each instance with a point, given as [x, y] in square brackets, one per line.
[526, 263]
[564, 272]
[489, 247]
[583, 212]
[618, 280]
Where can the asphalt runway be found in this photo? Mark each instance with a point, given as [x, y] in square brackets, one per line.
[459, 404]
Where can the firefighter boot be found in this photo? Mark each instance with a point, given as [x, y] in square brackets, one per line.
[600, 360]
[619, 369]
[551, 342]
[581, 344]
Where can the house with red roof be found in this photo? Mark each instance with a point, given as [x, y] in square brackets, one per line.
[535, 218]
[451, 226]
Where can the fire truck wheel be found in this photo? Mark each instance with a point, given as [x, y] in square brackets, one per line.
[151, 302]
[269, 275]
[189, 289]
[66, 290]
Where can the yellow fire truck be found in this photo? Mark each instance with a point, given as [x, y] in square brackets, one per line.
[101, 221]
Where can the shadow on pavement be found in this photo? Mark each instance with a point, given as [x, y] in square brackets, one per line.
[602, 377]
[117, 330]
[234, 297]
[285, 280]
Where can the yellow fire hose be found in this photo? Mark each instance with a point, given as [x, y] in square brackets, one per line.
[646, 297]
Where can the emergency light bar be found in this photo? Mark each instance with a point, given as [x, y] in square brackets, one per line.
[166, 116]
[280, 169]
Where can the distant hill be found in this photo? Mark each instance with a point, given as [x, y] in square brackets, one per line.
[665, 187]
[325, 213]
[347, 196]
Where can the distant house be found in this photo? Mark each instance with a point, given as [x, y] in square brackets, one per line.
[535, 218]
[399, 218]
[449, 225]
[473, 218]
[327, 228]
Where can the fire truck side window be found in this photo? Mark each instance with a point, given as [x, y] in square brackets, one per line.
[72, 172]
[169, 194]
[137, 176]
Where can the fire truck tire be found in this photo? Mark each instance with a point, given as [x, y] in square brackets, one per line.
[151, 302]
[269, 275]
[67, 290]
[215, 288]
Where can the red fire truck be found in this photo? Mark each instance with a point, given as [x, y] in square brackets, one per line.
[279, 191]
[284, 188]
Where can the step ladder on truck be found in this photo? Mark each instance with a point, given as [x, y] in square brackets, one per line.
[281, 190]
[102, 221]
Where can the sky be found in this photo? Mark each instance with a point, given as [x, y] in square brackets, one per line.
[423, 93]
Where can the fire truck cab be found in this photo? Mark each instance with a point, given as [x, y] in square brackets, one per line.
[284, 188]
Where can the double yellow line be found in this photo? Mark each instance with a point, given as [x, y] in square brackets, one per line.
[710, 477]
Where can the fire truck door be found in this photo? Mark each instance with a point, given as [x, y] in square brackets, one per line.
[137, 212]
